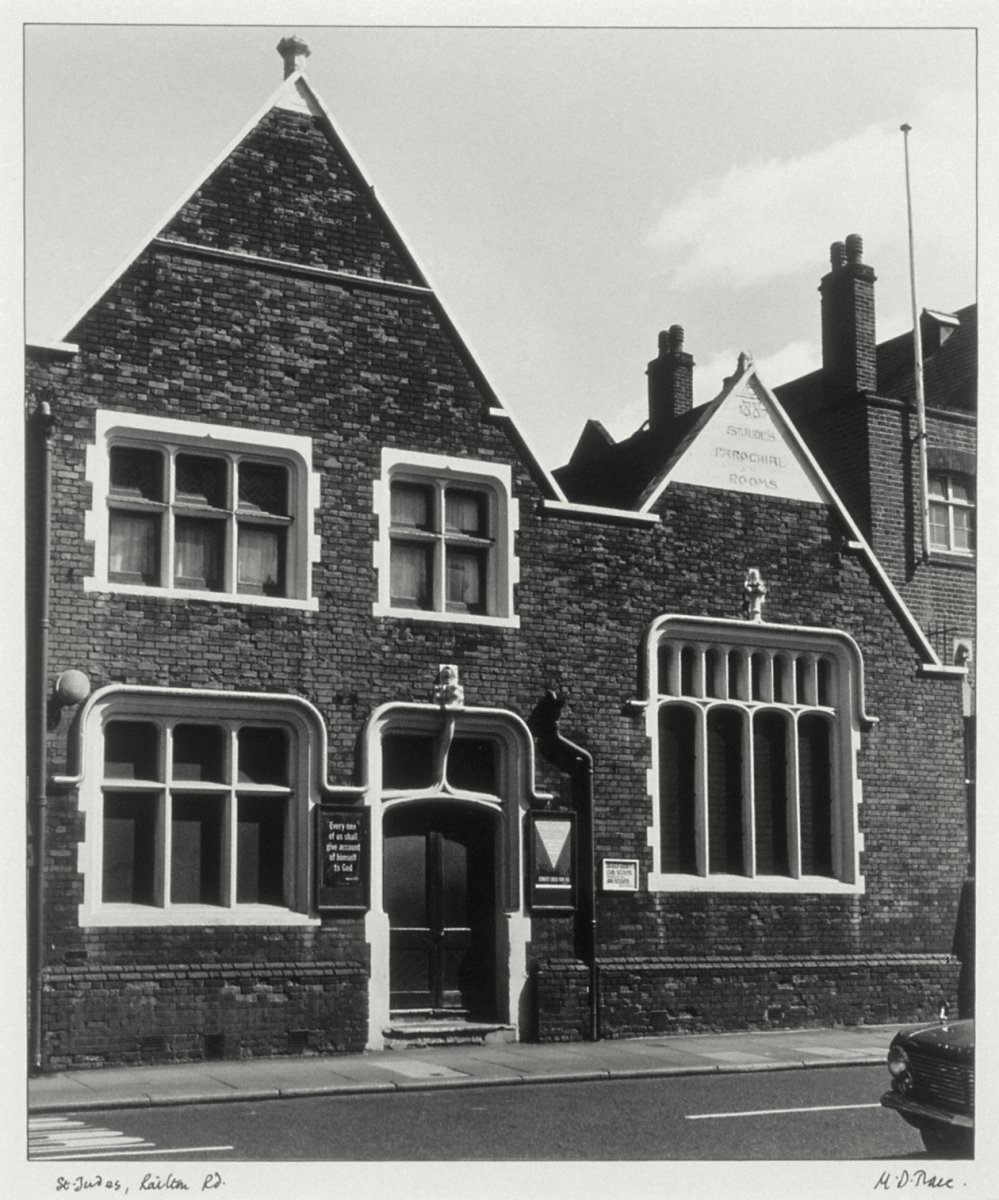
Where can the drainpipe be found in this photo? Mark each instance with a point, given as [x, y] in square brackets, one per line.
[46, 424]
[577, 763]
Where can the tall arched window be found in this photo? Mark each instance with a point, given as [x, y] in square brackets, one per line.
[755, 745]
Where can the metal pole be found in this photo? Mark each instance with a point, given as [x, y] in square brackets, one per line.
[917, 350]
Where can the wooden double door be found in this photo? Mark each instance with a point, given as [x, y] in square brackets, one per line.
[440, 891]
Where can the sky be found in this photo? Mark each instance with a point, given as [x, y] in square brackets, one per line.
[569, 191]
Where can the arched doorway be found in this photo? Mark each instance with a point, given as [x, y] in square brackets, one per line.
[440, 895]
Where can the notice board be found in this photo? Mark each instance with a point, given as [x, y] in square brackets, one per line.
[343, 866]
[551, 861]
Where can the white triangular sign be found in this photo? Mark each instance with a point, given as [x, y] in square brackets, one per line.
[742, 448]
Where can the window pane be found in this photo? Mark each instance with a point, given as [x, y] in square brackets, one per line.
[260, 566]
[129, 848]
[133, 548]
[687, 671]
[939, 534]
[465, 512]
[725, 851]
[201, 480]
[263, 755]
[466, 572]
[264, 488]
[411, 575]
[770, 732]
[199, 753]
[260, 851]
[137, 473]
[198, 554]
[471, 764]
[815, 794]
[131, 750]
[959, 492]
[196, 862]
[676, 783]
[409, 760]
[937, 486]
[412, 506]
[963, 533]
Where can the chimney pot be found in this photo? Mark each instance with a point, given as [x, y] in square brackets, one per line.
[294, 52]
[855, 248]
[675, 338]
[837, 255]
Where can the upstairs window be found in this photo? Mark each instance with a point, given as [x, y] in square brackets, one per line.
[217, 523]
[185, 509]
[952, 514]
[754, 751]
[445, 550]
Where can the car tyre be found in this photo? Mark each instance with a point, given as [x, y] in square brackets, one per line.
[946, 1142]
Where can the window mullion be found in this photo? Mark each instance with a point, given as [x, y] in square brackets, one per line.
[748, 794]
[793, 800]
[701, 790]
[230, 824]
[167, 537]
[439, 565]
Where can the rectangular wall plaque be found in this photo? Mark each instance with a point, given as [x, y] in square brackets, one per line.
[343, 867]
[619, 874]
[551, 861]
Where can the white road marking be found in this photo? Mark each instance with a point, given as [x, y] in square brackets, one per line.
[774, 1112]
[140, 1150]
[51, 1139]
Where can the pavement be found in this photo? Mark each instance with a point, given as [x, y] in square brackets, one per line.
[458, 1066]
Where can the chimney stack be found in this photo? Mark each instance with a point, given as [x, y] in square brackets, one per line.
[671, 380]
[294, 52]
[849, 346]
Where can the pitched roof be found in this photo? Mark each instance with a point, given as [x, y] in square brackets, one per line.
[950, 373]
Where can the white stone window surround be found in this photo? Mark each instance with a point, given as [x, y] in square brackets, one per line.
[495, 479]
[846, 710]
[142, 431]
[232, 710]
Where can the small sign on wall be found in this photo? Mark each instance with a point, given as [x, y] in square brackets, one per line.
[619, 874]
[551, 862]
[343, 868]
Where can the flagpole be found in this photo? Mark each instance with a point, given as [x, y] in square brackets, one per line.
[917, 350]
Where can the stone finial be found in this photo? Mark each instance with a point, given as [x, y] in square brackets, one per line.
[754, 592]
[448, 692]
[294, 52]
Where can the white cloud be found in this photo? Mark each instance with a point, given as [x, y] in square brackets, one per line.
[762, 220]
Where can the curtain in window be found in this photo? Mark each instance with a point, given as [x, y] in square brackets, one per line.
[198, 558]
[259, 566]
[411, 575]
[464, 580]
[463, 512]
[411, 506]
[133, 547]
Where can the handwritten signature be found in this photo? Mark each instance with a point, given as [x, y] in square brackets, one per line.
[913, 1179]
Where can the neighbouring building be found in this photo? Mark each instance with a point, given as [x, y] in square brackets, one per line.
[351, 724]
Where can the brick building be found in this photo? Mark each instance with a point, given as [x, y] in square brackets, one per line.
[349, 721]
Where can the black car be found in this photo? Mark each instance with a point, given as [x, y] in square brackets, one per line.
[933, 1085]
